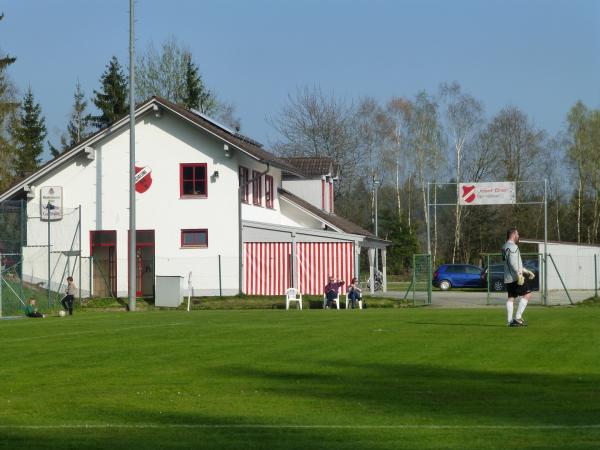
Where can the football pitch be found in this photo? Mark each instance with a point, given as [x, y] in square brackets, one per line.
[409, 378]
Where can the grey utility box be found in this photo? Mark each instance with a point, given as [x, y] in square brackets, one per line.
[168, 291]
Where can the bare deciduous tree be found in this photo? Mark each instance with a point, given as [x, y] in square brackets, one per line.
[315, 124]
[399, 111]
[464, 116]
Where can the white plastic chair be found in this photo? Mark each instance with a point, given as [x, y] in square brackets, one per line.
[336, 300]
[348, 302]
[293, 295]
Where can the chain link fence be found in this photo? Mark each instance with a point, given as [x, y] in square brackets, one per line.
[419, 289]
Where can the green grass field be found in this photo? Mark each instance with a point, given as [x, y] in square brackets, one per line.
[406, 378]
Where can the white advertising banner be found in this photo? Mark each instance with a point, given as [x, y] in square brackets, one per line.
[502, 193]
[51, 203]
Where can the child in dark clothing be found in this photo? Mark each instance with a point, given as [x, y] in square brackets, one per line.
[31, 309]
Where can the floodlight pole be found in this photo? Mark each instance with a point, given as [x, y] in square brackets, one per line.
[132, 230]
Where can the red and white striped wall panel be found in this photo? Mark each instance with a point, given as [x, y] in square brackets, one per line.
[268, 266]
[318, 260]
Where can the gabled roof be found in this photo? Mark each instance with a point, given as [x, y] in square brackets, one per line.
[333, 219]
[315, 166]
[236, 140]
[239, 141]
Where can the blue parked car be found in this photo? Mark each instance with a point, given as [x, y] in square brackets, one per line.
[449, 276]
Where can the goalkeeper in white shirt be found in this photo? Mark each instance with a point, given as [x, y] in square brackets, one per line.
[516, 279]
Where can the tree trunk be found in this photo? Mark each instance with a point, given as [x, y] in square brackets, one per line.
[409, 207]
[557, 217]
[398, 198]
[579, 193]
[435, 232]
[458, 209]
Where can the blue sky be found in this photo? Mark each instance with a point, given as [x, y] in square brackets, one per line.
[541, 56]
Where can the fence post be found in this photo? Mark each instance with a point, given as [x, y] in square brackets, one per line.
[90, 277]
[220, 284]
[23, 236]
[595, 275]
[429, 276]
[487, 278]
[414, 267]
[49, 273]
[79, 227]
[1, 277]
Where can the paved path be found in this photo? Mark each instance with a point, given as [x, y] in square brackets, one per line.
[465, 299]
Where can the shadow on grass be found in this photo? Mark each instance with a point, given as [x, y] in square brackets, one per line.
[344, 392]
[397, 393]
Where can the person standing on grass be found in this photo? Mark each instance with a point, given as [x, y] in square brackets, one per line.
[31, 309]
[514, 278]
[332, 290]
[67, 301]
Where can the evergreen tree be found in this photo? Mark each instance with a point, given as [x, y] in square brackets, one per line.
[112, 99]
[194, 87]
[28, 131]
[78, 127]
[7, 109]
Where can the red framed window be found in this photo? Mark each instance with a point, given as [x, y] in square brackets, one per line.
[194, 238]
[193, 180]
[269, 191]
[256, 188]
[243, 173]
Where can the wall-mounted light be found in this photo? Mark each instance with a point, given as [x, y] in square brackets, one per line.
[214, 176]
[227, 151]
[157, 111]
[30, 191]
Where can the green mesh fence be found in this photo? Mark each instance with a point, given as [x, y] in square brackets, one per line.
[419, 289]
[494, 277]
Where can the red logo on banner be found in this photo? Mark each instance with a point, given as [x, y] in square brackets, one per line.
[468, 194]
[143, 179]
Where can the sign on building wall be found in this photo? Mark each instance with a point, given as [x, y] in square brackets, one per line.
[51, 203]
[143, 179]
[502, 193]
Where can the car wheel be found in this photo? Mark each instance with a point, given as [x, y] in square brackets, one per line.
[445, 285]
[498, 286]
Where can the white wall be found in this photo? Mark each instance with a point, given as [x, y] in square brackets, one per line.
[101, 187]
[575, 264]
[310, 190]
